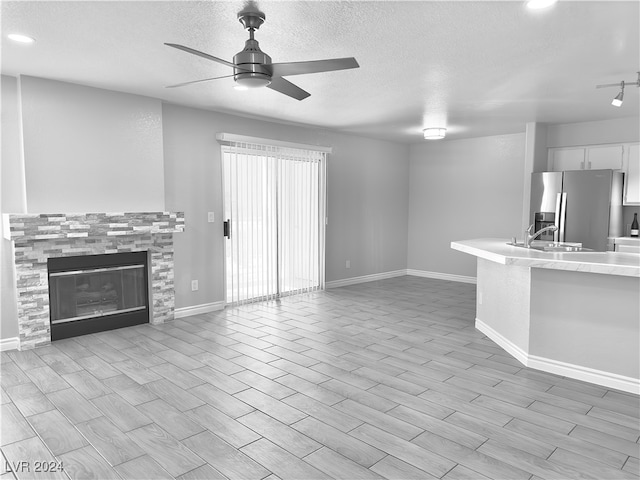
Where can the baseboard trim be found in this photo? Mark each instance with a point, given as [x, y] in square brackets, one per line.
[365, 278]
[441, 276]
[577, 372]
[9, 344]
[506, 344]
[198, 309]
[599, 377]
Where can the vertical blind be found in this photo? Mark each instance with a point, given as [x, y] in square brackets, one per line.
[275, 203]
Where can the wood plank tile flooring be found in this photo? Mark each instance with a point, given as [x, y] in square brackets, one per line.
[387, 379]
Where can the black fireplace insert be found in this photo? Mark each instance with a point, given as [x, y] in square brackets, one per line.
[95, 293]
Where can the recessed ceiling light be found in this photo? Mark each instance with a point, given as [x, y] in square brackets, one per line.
[19, 38]
[537, 4]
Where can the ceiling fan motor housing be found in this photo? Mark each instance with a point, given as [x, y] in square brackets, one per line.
[252, 64]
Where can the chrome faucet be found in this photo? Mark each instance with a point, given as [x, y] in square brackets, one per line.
[529, 237]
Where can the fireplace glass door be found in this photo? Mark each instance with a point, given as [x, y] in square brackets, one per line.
[94, 293]
[97, 292]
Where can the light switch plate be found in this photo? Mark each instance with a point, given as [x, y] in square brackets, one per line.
[210, 217]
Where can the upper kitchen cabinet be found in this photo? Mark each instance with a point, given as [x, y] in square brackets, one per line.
[561, 159]
[624, 157]
[632, 174]
[588, 157]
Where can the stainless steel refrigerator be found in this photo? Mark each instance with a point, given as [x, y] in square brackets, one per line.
[585, 205]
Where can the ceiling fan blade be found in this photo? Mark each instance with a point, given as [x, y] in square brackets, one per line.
[200, 54]
[281, 85]
[313, 66]
[197, 81]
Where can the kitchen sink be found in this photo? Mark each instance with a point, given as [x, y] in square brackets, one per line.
[544, 246]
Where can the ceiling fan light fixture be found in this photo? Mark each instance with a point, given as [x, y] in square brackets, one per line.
[434, 133]
[245, 81]
[539, 4]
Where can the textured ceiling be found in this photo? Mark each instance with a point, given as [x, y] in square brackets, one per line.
[478, 68]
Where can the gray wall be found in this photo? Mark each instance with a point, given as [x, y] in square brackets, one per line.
[11, 200]
[84, 147]
[367, 198]
[462, 189]
[90, 150]
[390, 206]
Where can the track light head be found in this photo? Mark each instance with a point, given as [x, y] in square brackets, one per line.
[617, 102]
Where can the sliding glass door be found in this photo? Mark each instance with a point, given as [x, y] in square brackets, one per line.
[275, 213]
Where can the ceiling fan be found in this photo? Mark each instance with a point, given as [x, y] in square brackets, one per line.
[252, 68]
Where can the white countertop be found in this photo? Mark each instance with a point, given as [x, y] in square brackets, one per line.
[497, 250]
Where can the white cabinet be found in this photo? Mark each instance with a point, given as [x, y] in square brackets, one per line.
[632, 174]
[624, 157]
[627, 244]
[588, 157]
[600, 157]
[628, 248]
[561, 159]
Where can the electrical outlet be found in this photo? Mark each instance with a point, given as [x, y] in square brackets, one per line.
[210, 217]
[194, 285]
[348, 265]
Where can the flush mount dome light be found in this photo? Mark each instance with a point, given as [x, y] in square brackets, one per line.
[434, 133]
[538, 4]
[20, 38]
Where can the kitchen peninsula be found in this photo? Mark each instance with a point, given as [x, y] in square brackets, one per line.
[576, 314]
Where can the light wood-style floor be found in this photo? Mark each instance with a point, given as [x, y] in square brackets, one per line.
[381, 380]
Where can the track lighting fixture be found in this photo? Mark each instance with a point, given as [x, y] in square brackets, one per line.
[617, 101]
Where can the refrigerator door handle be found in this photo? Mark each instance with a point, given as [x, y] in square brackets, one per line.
[563, 216]
[558, 211]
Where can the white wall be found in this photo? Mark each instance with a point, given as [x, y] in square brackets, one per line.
[90, 150]
[12, 195]
[505, 293]
[619, 130]
[586, 319]
[462, 189]
[367, 198]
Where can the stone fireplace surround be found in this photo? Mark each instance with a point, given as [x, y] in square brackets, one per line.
[38, 237]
